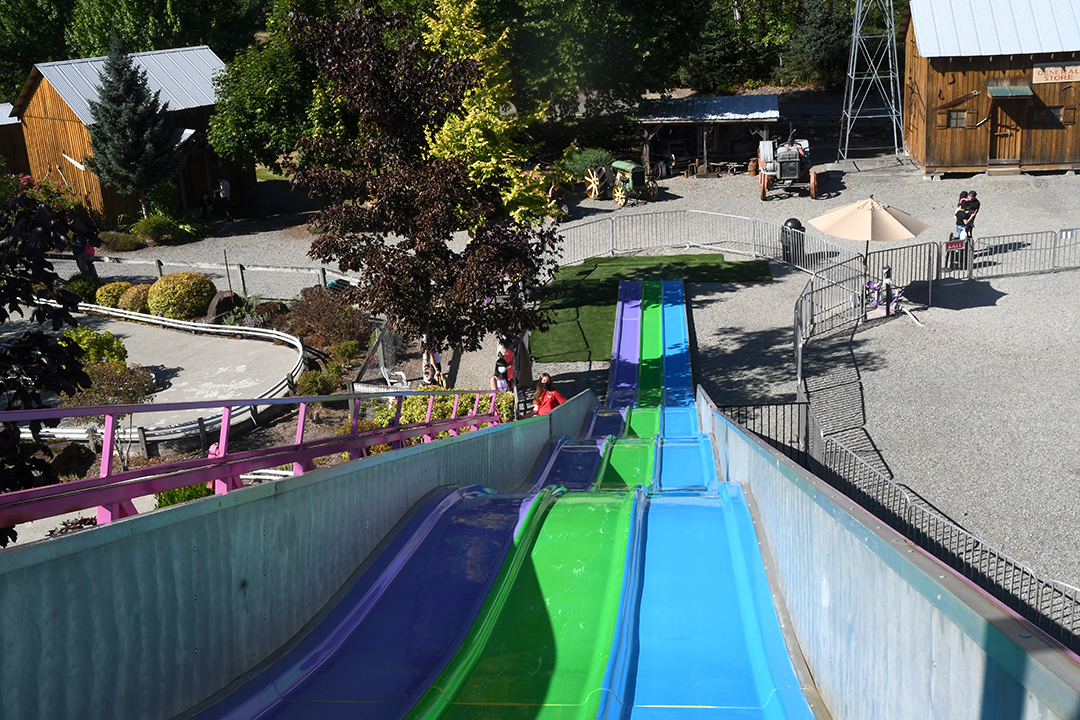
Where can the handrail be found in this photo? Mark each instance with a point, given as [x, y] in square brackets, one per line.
[112, 493]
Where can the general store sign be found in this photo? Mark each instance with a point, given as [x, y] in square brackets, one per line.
[1048, 73]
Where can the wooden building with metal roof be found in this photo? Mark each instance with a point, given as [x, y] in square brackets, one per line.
[992, 85]
[54, 109]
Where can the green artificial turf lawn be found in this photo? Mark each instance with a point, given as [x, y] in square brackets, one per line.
[582, 298]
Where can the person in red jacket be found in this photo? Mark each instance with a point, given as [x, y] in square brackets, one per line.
[546, 398]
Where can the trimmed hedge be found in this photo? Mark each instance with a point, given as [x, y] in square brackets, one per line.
[109, 295]
[135, 299]
[181, 296]
[85, 286]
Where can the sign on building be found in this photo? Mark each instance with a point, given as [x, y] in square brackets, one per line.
[1049, 72]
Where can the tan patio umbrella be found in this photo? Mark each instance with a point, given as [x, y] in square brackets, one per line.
[868, 220]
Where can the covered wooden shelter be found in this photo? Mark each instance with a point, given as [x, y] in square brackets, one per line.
[704, 129]
[54, 108]
[992, 87]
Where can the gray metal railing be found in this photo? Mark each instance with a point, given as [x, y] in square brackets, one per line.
[1033, 253]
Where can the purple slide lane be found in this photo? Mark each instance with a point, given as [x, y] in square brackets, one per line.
[626, 348]
[393, 632]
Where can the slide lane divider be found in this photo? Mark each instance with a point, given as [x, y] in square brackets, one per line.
[618, 684]
[436, 701]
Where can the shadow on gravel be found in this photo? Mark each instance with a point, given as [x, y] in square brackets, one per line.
[741, 367]
[570, 383]
[963, 294]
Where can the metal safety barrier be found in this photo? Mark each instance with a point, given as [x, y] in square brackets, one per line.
[112, 493]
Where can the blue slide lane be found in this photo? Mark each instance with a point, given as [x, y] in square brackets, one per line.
[678, 382]
[710, 644]
[392, 633]
[687, 465]
[572, 466]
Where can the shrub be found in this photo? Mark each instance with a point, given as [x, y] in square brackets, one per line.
[195, 226]
[164, 200]
[182, 495]
[181, 295]
[97, 346]
[414, 409]
[316, 382]
[134, 299]
[347, 350]
[121, 242]
[578, 162]
[109, 295]
[155, 227]
[111, 383]
[324, 318]
[85, 286]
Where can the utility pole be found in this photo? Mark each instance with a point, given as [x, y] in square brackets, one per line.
[872, 90]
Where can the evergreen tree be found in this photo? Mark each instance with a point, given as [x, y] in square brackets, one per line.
[133, 142]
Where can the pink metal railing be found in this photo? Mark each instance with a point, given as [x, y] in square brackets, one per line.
[113, 493]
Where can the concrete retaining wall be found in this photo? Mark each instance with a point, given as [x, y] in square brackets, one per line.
[146, 617]
[887, 631]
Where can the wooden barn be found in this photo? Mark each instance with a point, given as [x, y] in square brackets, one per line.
[992, 86]
[54, 108]
[12, 145]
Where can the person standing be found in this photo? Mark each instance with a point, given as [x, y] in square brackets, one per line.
[971, 205]
[546, 398]
[500, 381]
[225, 192]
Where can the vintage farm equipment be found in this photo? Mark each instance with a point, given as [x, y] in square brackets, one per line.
[786, 164]
[623, 179]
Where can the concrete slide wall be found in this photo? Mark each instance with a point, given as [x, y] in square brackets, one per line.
[887, 631]
[148, 616]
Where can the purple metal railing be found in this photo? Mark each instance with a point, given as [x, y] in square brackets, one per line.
[113, 493]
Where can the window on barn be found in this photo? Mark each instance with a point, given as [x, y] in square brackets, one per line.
[1053, 115]
[957, 118]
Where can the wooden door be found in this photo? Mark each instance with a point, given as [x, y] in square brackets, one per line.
[1006, 124]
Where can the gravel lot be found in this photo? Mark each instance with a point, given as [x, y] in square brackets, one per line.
[975, 411]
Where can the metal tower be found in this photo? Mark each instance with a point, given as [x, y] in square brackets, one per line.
[872, 89]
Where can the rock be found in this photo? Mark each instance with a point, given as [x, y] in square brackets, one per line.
[223, 302]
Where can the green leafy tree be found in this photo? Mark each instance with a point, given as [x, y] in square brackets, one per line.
[31, 31]
[132, 139]
[32, 361]
[818, 52]
[485, 133]
[224, 25]
[396, 206]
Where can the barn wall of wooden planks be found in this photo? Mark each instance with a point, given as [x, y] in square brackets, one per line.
[57, 141]
[951, 122]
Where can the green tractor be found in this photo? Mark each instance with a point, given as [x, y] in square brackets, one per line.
[623, 179]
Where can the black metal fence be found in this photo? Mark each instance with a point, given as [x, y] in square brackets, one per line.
[782, 425]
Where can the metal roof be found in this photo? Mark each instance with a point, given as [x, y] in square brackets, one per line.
[184, 76]
[5, 112]
[1009, 91]
[709, 108]
[975, 28]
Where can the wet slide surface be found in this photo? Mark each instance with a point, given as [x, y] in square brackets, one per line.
[710, 643]
[387, 638]
[549, 641]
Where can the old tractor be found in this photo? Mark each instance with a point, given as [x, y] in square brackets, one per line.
[623, 179]
[787, 165]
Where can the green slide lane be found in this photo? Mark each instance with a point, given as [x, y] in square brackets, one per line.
[541, 644]
[651, 363]
[629, 464]
[644, 422]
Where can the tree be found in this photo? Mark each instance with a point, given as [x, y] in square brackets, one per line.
[485, 132]
[33, 362]
[396, 206]
[134, 144]
[819, 50]
[31, 31]
[224, 25]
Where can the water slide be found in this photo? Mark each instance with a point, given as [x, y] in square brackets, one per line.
[586, 596]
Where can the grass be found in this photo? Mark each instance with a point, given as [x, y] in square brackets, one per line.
[582, 298]
[263, 174]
